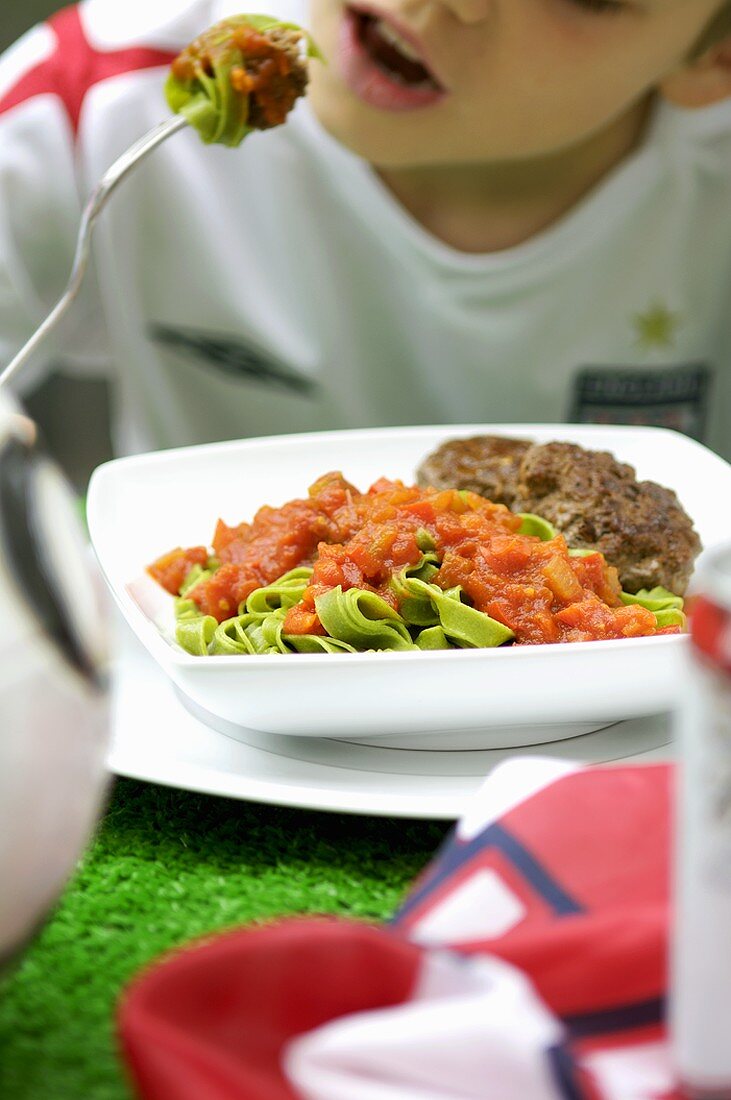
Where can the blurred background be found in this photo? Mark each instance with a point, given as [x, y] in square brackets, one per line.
[73, 414]
[18, 15]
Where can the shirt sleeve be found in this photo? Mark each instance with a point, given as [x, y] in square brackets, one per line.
[40, 209]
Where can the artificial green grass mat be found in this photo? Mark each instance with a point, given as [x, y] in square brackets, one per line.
[166, 866]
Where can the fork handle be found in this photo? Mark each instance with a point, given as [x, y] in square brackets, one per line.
[114, 175]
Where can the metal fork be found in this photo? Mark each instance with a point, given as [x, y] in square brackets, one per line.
[121, 168]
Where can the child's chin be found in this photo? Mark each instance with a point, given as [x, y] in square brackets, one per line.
[387, 140]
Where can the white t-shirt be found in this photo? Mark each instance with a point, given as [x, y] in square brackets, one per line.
[281, 287]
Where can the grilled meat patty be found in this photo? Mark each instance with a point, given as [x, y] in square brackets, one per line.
[485, 464]
[595, 501]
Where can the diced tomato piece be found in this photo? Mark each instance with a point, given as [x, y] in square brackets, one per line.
[594, 572]
[561, 579]
[423, 509]
[508, 554]
[222, 593]
[299, 620]
[171, 569]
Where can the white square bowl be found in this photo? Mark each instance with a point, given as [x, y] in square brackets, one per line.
[143, 506]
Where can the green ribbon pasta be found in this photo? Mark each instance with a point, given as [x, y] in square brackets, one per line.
[462, 624]
[316, 643]
[259, 643]
[271, 632]
[415, 609]
[672, 616]
[419, 611]
[231, 637]
[210, 103]
[425, 540]
[207, 97]
[665, 605]
[537, 526]
[362, 619]
[654, 599]
[248, 634]
[355, 620]
[433, 638]
[256, 629]
[194, 635]
[186, 609]
[282, 593]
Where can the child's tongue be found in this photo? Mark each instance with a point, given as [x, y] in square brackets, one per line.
[389, 57]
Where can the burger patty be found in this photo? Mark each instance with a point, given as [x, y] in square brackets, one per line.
[595, 501]
[485, 464]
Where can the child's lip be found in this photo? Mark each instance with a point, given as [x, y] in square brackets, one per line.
[405, 32]
[372, 83]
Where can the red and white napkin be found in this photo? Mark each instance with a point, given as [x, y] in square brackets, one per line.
[529, 962]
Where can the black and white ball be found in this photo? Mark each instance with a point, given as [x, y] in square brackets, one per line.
[53, 699]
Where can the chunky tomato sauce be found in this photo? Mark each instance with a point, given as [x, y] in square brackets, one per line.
[171, 569]
[265, 73]
[359, 540]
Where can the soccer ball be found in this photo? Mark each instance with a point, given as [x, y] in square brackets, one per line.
[53, 699]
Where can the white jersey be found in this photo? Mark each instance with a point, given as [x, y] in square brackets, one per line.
[281, 287]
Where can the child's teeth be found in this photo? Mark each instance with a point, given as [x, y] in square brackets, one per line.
[394, 39]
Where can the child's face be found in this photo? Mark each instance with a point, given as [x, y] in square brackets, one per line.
[513, 79]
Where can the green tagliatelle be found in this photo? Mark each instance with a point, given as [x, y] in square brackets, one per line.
[207, 97]
[358, 620]
[462, 625]
[283, 593]
[537, 526]
[196, 633]
[355, 620]
[362, 619]
[665, 605]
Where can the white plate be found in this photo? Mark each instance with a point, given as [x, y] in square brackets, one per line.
[155, 738]
[141, 507]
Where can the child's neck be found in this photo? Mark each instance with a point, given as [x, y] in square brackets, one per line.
[489, 208]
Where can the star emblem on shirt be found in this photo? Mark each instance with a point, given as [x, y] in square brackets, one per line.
[657, 327]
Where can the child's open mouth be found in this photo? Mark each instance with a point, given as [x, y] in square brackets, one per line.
[382, 66]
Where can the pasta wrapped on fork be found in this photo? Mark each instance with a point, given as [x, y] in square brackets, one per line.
[243, 74]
